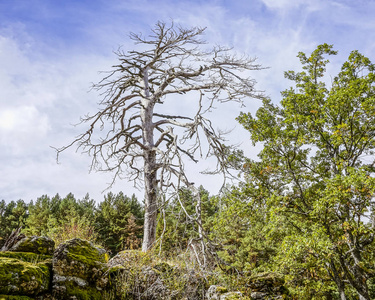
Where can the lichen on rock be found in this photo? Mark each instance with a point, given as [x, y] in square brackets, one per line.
[19, 277]
[35, 244]
[11, 297]
[78, 267]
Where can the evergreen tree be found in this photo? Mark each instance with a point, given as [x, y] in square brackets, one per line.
[118, 222]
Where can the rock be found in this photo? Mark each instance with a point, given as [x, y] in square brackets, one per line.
[258, 295]
[266, 285]
[78, 268]
[9, 297]
[231, 296]
[214, 292]
[24, 274]
[137, 275]
[35, 244]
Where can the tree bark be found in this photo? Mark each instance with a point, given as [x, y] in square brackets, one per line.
[339, 282]
[150, 201]
[150, 169]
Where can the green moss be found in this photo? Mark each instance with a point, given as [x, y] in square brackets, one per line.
[20, 277]
[164, 267]
[82, 293]
[34, 244]
[268, 278]
[9, 297]
[26, 256]
[85, 252]
[221, 289]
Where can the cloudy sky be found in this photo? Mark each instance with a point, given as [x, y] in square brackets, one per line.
[51, 52]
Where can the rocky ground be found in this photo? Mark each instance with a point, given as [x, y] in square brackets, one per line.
[32, 269]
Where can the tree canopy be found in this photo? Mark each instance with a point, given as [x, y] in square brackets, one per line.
[316, 169]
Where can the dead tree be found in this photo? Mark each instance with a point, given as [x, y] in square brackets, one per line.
[131, 136]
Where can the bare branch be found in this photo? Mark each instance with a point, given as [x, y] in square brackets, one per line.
[130, 137]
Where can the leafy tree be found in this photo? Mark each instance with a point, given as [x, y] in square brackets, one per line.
[118, 222]
[317, 167]
[133, 134]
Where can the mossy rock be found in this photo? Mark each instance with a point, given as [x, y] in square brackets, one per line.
[27, 256]
[269, 283]
[268, 278]
[19, 277]
[78, 258]
[130, 258]
[75, 288]
[10, 297]
[35, 244]
[164, 267]
[78, 268]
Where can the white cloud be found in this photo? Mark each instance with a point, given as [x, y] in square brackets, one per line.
[45, 82]
[285, 5]
[23, 123]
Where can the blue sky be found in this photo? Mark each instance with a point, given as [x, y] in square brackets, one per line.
[51, 52]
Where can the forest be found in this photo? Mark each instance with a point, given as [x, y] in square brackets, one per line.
[304, 208]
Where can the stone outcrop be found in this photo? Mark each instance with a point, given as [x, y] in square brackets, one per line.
[145, 278]
[267, 286]
[78, 268]
[216, 292]
[26, 268]
[34, 244]
[31, 269]
[24, 274]
[264, 286]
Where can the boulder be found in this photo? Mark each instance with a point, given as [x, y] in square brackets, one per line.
[78, 268]
[267, 285]
[26, 274]
[35, 244]
[216, 292]
[137, 275]
[232, 296]
[10, 297]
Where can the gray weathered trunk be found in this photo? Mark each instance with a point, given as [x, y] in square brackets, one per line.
[150, 168]
[150, 201]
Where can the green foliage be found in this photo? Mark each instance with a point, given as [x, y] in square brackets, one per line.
[62, 218]
[175, 228]
[240, 228]
[316, 171]
[118, 222]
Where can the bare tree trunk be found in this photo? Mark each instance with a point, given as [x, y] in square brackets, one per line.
[149, 155]
[198, 210]
[150, 222]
